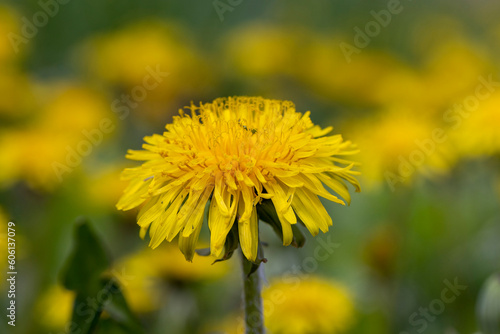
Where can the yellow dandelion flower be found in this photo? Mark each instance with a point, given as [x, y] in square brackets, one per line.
[311, 306]
[236, 151]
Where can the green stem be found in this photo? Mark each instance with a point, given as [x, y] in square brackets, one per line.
[254, 319]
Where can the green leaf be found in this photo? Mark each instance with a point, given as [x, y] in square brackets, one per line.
[87, 261]
[104, 297]
[118, 309]
[87, 309]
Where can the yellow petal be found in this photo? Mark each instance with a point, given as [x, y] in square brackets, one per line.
[314, 185]
[218, 191]
[143, 231]
[291, 181]
[187, 244]
[220, 224]
[249, 235]
[133, 195]
[190, 224]
[141, 155]
[310, 210]
[282, 203]
[163, 201]
[161, 228]
[287, 231]
[130, 173]
[336, 184]
[246, 201]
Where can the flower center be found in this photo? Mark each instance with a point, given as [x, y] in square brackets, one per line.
[239, 138]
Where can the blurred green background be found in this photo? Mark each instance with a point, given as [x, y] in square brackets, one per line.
[415, 84]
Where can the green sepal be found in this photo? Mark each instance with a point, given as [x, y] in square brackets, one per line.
[231, 243]
[250, 267]
[299, 238]
[267, 213]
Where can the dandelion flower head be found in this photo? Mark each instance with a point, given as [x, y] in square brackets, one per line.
[234, 153]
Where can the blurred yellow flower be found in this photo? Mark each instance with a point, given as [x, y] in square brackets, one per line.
[140, 274]
[68, 122]
[263, 50]
[9, 26]
[401, 86]
[71, 108]
[54, 307]
[18, 96]
[19, 162]
[157, 47]
[140, 282]
[237, 150]
[477, 132]
[380, 79]
[401, 143]
[452, 70]
[104, 187]
[365, 81]
[173, 265]
[307, 305]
